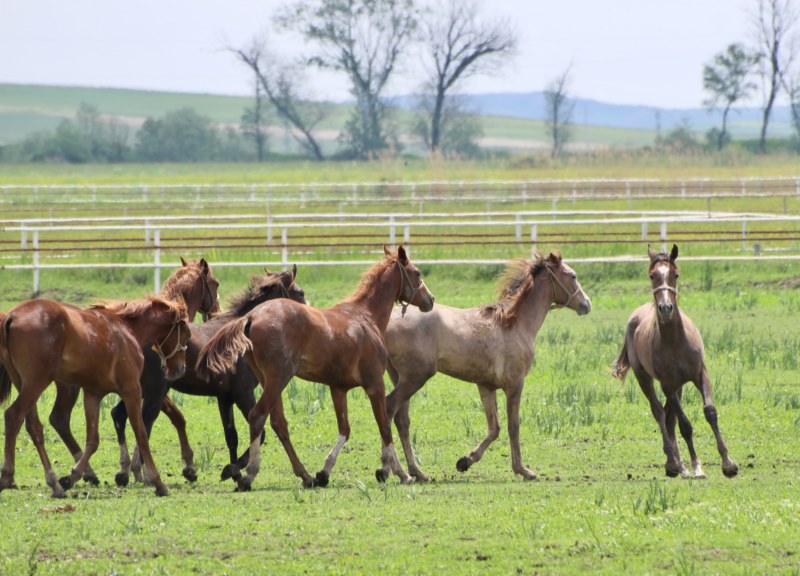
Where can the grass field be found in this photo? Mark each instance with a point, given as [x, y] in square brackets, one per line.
[602, 504]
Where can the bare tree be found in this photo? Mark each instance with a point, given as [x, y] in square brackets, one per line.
[279, 86]
[363, 39]
[459, 127]
[558, 112]
[253, 121]
[773, 26]
[456, 46]
[726, 78]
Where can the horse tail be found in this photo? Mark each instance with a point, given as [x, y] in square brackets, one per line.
[221, 352]
[621, 366]
[5, 377]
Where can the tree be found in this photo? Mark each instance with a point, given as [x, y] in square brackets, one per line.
[363, 39]
[278, 83]
[558, 112]
[726, 78]
[253, 122]
[773, 30]
[459, 129]
[180, 136]
[457, 46]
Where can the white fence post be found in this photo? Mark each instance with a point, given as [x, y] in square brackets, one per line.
[744, 235]
[147, 232]
[664, 236]
[284, 249]
[157, 260]
[407, 234]
[644, 231]
[533, 235]
[24, 239]
[35, 261]
[518, 228]
[391, 230]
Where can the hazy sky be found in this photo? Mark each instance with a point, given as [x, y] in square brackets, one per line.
[622, 51]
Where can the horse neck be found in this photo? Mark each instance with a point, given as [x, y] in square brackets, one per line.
[672, 331]
[148, 327]
[533, 309]
[380, 298]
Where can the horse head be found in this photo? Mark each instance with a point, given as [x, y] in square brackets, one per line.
[412, 288]
[664, 274]
[567, 291]
[198, 286]
[171, 348]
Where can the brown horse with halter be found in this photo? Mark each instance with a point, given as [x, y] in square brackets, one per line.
[194, 284]
[491, 346]
[662, 343]
[233, 388]
[98, 349]
[341, 347]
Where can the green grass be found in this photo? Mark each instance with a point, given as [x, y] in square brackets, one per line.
[602, 504]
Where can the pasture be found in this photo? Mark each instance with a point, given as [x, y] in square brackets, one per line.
[602, 502]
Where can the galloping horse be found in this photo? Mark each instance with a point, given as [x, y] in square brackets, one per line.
[235, 387]
[98, 349]
[491, 346]
[661, 342]
[193, 283]
[341, 347]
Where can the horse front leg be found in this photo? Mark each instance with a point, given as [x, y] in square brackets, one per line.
[91, 408]
[402, 421]
[339, 397]
[170, 409]
[397, 408]
[119, 415]
[673, 465]
[688, 435]
[60, 418]
[132, 396]
[280, 426]
[489, 401]
[671, 410]
[729, 467]
[389, 460]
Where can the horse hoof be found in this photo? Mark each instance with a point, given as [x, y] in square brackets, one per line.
[243, 485]
[420, 477]
[731, 472]
[322, 479]
[190, 474]
[121, 479]
[11, 486]
[229, 471]
[162, 491]
[91, 479]
[381, 475]
[65, 482]
[463, 464]
[672, 473]
[58, 494]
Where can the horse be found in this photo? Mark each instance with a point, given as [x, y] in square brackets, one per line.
[98, 349]
[341, 347]
[195, 284]
[490, 345]
[662, 343]
[234, 387]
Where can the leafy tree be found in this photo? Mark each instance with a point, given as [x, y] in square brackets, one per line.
[180, 136]
[364, 40]
[459, 130]
[726, 78]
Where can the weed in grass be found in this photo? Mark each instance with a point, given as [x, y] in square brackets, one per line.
[363, 490]
[684, 566]
[33, 558]
[206, 457]
[132, 526]
[293, 393]
[659, 498]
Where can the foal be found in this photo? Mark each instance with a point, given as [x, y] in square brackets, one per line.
[661, 342]
[341, 347]
[98, 349]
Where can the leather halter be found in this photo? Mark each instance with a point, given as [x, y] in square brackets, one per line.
[178, 347]
[205, 313]
[665, 287]
[404, 276]
[554, 279]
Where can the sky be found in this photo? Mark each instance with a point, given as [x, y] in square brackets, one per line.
[648, 52]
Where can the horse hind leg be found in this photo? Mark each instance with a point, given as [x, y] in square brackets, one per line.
[60, 417]
[729, 467]
[402, 421]
[170, 409]
[280, 427]
[397, 408]
[389, 461]
[91, 407]
[489, 401]
[131, 395]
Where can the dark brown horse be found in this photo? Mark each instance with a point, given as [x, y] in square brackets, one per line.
[232, 388]
[662, 343]
[492, 346]
[193, 283]
[98, 349]
[341, 347]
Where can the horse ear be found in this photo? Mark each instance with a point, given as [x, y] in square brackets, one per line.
[401, 255]
[674, 254]
[650, 253]
[554, 259]
[294, 272]
[204, 264]
[386, 250]
[183, 262]
[267, 270]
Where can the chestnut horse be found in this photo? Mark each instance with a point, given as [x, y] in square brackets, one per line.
[98, 349]
[661, 342]
[491, 346]
[341, 347]
[233, 388]
[193, 283]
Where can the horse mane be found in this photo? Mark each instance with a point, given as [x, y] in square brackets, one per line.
[181, 280]
[369, 278]
[515, 284]
[133, 309]
[242, 302]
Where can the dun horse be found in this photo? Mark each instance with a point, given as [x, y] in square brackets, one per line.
[341, 347]
[661, 342]
[193, 283]
[491, 346]
[98, 349]
[232, 388]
